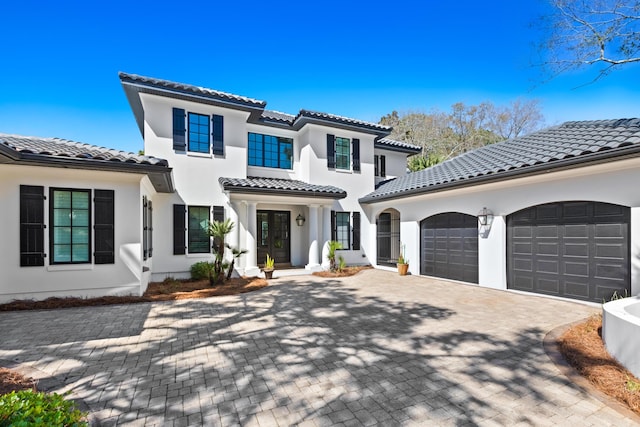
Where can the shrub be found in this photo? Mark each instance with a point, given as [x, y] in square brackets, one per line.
[29, 408]
[202, 270]
[342, 264]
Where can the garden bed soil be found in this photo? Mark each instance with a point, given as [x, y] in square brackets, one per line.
[345, 272]
[12, 381]
[582, 346]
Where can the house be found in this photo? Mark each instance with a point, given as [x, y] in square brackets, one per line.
[556, 212]
[289, 183]
[94, 221]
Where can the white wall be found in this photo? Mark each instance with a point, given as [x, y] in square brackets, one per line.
[611, 183]
[123, 277]
[395, 164]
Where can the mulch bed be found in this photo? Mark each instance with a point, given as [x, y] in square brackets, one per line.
[162, 291]
[583, 348]
[345, 272]
[10, 381]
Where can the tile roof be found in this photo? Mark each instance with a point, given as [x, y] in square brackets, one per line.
[191, 89]
[391, 144]
[342, 120]
[569, 143]
[278, 116]
[280, 186]
[56, 147]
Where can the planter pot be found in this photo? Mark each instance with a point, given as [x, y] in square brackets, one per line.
[268, 274]
[402, 269]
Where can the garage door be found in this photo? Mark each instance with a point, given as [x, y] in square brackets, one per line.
[575, 250]
[449, 247]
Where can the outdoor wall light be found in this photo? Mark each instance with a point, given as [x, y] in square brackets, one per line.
[485, 217]
[300, 220]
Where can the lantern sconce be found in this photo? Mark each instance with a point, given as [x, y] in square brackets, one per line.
[485, 219]
[300, 220]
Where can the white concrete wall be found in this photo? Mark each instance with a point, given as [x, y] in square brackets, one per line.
[395, 164]
[611, 183]
[84, 280]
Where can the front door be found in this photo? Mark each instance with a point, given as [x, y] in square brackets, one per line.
[273, 236]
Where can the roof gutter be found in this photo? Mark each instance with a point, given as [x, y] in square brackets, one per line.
[621, 153]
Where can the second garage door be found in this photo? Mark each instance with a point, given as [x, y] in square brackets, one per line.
[576, 250]
[449, 246]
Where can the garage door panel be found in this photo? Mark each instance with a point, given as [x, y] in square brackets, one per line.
[449, 247]
[576, 249]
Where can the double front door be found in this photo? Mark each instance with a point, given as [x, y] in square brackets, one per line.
[273, 236]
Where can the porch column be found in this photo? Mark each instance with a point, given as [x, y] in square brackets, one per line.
[234, 236]
[314, 254]
[252, 256]
[326, 235]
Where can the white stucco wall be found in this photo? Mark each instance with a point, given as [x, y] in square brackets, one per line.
[395, 163]
[85, 280]
[610, 183]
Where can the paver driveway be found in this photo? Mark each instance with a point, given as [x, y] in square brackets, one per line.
[375, 348]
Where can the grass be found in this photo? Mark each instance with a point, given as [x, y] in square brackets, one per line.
[583, 348]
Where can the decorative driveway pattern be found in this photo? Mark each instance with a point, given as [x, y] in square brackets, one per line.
[371, 349]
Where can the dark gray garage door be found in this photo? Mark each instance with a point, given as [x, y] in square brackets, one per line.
[575, 250]
[449, 246]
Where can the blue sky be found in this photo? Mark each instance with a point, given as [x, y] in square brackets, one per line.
[359, 59]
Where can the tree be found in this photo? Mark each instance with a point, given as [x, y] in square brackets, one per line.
[219, 230]
[519, 118]
[583, 33]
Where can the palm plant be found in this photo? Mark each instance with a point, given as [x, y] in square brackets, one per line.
[331, 255]
[237, 253]
[219, 230]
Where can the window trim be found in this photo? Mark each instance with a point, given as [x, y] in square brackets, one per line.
[52, 226]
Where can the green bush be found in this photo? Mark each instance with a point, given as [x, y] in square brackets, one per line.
[30, 408]
[202, 270]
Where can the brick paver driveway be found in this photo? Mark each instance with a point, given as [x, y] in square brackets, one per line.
[375, 348]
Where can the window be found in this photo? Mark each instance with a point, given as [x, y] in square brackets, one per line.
[198, 225]
[380, 165]
[198, 133]
[70, 230]
[270, 151]
[343, 153]
[345, 228]
[342, 229]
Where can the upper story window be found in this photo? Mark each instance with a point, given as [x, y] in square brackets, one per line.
[380, 165]
[270, 151]
[343, 153]
[204, 133]
[198, 133]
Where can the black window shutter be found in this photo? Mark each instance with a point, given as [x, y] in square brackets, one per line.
[150, 228]
[179, 130]
[331, 151]
[103, 227]
[217, 132]
[145, 213]
[355, 145]
[334, 231]
[31, 226]
[375, 165]
[218, 213]
[356, 231]
[383, 166]
[179, 243]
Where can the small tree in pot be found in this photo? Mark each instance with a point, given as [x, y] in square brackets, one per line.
[269, 267]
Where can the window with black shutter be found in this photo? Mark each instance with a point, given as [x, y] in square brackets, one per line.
[103, 227]
[150, 228]
[218, 215]
[355, 145]
[145, 249]
[383, 166]
[331, 151]
[32, 226]
[355, 241]
[179, 130]
[217, 133]
[179, 229]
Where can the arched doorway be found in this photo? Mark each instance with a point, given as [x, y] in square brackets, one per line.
[388, 237]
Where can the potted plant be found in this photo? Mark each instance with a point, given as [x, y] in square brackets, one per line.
[403, 263]
[269, 266]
